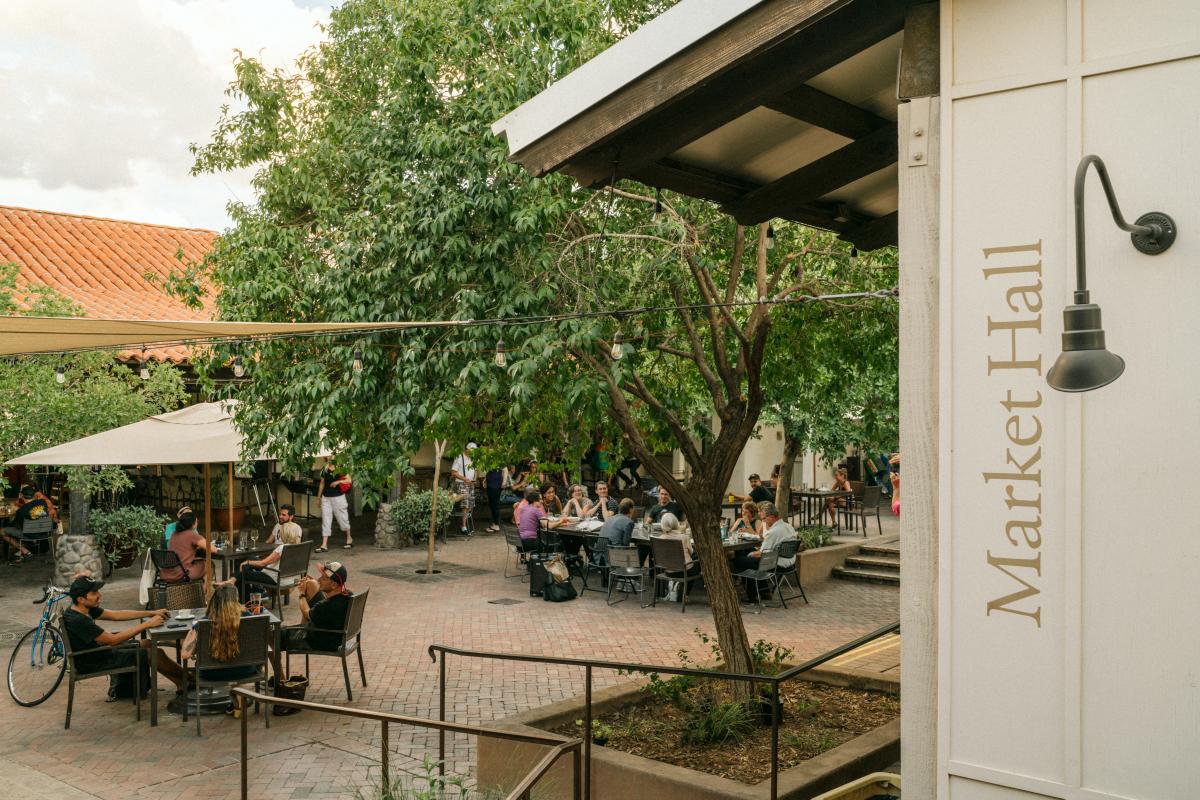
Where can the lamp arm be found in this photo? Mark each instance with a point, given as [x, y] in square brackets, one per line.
[1151, 231]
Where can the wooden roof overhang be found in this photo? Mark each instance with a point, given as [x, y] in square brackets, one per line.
[787, 110]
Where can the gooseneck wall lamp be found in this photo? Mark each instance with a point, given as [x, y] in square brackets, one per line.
[1085, 363]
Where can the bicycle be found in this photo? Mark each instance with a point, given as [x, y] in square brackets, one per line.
[39, 660]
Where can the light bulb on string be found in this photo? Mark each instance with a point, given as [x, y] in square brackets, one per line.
[239, 369]
[144, 367]
[60, 374]
[770, 237]
[501, 360]
[657, 203]
[358, 365]
[618, 346]
[853, 257]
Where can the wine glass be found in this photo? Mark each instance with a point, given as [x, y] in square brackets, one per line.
[254, 537]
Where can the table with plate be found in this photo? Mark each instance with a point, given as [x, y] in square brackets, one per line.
[231, 557]
[176, 629]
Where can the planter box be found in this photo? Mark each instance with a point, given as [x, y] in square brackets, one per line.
[220, 519]
[623, 776]
[817, 565]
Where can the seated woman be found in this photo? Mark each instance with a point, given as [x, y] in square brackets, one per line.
[749, 522]
[578, 504]
[896, 484]
[673, 529]
[266, 569]
[551, 501]
[225, 611]
[841, 483]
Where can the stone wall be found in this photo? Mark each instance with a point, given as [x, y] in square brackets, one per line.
[73, 553]
[387, 536]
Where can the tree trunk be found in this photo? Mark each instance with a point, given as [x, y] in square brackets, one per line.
[783, 487]
[80, 504]
[705, 521]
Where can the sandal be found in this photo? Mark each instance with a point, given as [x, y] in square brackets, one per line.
[321, 549]
[348, 546]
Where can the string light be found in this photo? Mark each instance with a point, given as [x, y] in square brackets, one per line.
[239, 369]
[853, 257]
[618, 347]
[770, 237]
[358, 365]
[60, 374]
[144, 368]
[501, 360]
[657, 203]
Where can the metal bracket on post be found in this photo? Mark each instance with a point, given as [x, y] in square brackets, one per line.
[917, 146]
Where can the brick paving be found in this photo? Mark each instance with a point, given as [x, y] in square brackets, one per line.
[106, 754]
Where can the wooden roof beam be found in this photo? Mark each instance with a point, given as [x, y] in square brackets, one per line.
[812, 181]
[875, 233]
[815, 107]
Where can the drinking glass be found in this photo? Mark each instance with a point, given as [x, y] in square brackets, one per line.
[254, 537]
[256, 603]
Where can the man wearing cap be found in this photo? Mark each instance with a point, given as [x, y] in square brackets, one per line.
[324, 604]
[463, 473]
[80, 623]
[29, 507]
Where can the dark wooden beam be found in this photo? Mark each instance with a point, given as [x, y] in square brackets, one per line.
[920, 59]
[810, 182]
[813, 106]
[822, 42]
[873, 234]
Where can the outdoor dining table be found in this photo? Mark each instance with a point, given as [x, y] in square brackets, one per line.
[230, 557]
[642, 540]
[173, 631]
[814, 504]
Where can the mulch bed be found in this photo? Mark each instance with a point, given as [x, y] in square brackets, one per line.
[816, 718]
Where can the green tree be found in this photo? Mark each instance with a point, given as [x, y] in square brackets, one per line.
[382, 195]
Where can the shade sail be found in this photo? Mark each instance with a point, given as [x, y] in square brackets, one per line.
[200, 434]
[29, 335]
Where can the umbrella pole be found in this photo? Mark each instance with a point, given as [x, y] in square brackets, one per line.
[229, 485]
[207, 529]
[440, 448]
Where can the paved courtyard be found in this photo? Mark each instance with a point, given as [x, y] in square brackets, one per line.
[106, 754]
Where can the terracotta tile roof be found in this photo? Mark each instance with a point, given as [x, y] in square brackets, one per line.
[99, 263]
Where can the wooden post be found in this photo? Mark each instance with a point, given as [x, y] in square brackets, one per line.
[229, 500]
[440, 448]
[207, 528]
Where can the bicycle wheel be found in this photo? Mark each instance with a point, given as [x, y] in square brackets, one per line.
[36, 666]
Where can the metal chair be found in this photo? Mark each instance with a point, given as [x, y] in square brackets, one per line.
[293, 565]
[789, 549]
[868, 506]
[164, 560]
[669, 565]
[74, 676]
[517, 553]
[625, 570]
[36, 531]
[597, 561]
[764, 572]
[254, 635]
[351, 636]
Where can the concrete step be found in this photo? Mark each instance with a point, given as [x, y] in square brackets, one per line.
[870, 576]
[881, 563]
[886, 550]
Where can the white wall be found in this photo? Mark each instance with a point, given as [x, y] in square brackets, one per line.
[1069, 649]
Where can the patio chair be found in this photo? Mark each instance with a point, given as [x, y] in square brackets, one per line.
[515, 552]
[625, 573]
[669, 565]
[351, 636]
[293, 565]
[789, 549]
[35, 533]
[867, 506]
[597, 561]
[847, 512]
[166, 560]
[178, 597]
[764, 573]
[254, 635]
[74, 676]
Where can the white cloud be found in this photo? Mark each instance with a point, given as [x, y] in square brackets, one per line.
[103, 99]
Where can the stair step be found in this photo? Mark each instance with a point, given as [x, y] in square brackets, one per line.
[880, 550]
[881, 563]
[871, 576]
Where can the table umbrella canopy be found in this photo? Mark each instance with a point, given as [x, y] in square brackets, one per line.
[201, 434]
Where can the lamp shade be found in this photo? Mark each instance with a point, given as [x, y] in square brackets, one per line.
[1085, 363]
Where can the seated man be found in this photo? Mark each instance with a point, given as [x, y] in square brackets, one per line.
[759, 492]
[665, 506]
[29, 507]
[324, 604]
[287, 514]
[187, 544]
[80, 623]
[605, 507]
[617, 529]
[777, 532]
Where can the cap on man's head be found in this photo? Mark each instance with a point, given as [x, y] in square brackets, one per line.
[754, 477]
[83, 585]
[28, 492]
[472, 446]
[334, 571]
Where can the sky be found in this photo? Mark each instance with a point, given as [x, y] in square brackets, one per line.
[103, 97]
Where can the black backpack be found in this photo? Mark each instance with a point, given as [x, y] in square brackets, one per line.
[559, 592]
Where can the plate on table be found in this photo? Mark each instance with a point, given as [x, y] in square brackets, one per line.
[185, 615]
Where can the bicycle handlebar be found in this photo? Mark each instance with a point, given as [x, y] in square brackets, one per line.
[48, 590]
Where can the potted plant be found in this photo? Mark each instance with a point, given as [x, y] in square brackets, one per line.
[218, 496]
[123, 533]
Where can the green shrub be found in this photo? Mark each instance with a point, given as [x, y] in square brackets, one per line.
[126, 528]
[412, 511]
[428, 785]
[714, 722]
[813, 536]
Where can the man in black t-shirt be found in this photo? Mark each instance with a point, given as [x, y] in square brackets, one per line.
[30, 508]
[324, 604]
[80, 623]
[759, 492]
[665, 505]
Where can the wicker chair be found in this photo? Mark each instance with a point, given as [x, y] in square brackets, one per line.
[669, 565]
[351, 642]
[254, 636]
[74, 676]
[293, 564]
[625, 572]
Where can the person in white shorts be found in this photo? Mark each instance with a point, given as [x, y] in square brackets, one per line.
[332, 489]
[462, 471]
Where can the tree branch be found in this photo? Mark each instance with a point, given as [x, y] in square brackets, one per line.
[701, 359]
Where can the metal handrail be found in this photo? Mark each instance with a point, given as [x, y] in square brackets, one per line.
[558, 745]
[589, 664]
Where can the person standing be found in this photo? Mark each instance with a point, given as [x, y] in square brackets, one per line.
[493, 483]
[462, 472]
[332, 489]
